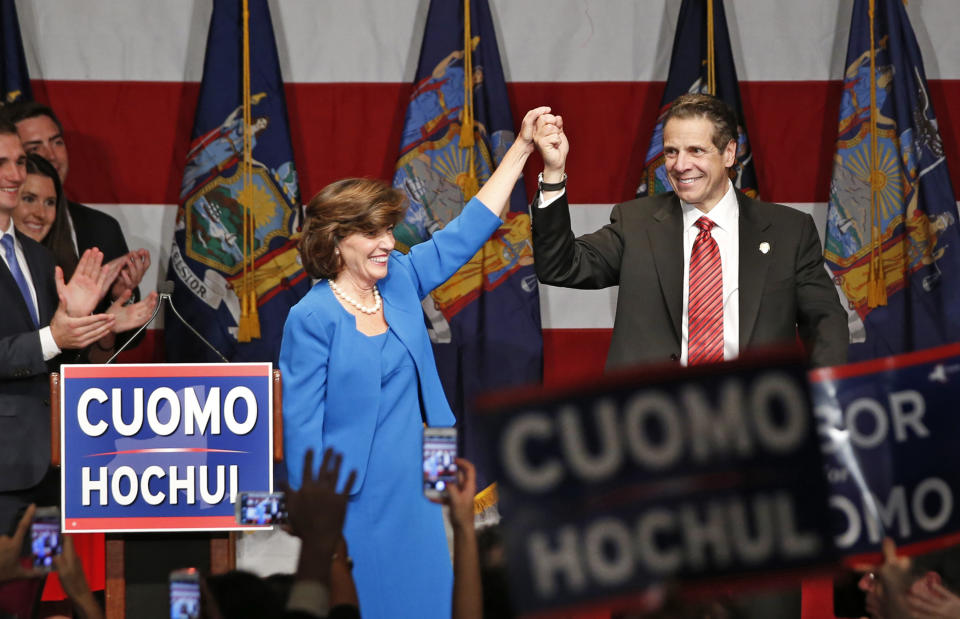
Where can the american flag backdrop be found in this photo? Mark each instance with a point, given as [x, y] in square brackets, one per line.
[124, 78]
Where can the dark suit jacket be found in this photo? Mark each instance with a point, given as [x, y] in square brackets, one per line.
[783, 291]
[24, 376]
[97, 229]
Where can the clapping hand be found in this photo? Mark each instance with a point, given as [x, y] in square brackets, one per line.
[88, 284]
[78, 332]
[132, 267]
[134, 315]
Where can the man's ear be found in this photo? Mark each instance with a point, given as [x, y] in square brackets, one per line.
[730, 154]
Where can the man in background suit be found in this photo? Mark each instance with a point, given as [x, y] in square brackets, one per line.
[705, 272]
[41, 133]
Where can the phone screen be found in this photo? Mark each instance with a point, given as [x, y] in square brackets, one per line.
[184, 595]
[45, 539]
[439, 460]
[261, 508]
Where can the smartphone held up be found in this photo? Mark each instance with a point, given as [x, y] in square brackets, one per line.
[439, 461]
[261, 508]
[185, 593]
[46, 540]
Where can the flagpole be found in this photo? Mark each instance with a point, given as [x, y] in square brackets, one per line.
[711, 56]
[249, 324]
[487, 497]
[876, 284]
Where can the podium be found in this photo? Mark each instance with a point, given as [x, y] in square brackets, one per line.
[126, 568]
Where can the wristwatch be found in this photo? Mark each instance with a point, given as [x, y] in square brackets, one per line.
[551, 186]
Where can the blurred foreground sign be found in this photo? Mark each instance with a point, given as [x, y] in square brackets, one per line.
[698, 474]
[891, 441]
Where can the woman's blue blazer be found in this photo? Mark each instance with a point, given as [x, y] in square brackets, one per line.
[331, 371]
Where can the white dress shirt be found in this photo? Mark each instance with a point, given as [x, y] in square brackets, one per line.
[726, 232]
[47, 343]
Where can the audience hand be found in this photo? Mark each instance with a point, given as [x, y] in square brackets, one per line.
[317, 510]
[78, 332]
[888, 584]
[460, 496]
[88, 284]
[929, 598]
[74, 581]
[11, 547]
[342, 588]
[134, 315]
[132, 267]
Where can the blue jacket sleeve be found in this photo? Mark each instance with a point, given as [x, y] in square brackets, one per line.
[435, 261]
[304, 356]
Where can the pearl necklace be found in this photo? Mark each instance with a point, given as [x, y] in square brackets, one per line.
[363, 308]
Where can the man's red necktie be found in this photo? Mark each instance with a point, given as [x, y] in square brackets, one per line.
[705, 304]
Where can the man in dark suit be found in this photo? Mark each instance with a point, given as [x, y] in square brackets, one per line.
[41, 133]
[705, 272]
[34, 331]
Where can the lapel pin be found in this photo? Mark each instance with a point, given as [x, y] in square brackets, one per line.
[764, 247]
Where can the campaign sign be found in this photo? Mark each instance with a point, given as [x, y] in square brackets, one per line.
[891, 442]
[163, 447]
[699, 474]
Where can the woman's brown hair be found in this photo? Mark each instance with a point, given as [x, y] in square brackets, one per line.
[59, 240]
[362, 205]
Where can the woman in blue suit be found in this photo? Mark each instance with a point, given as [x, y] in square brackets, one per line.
[359, 374]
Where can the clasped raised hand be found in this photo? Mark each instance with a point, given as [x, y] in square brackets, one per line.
[552, 142]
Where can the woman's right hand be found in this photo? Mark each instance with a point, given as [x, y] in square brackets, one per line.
[528, 126]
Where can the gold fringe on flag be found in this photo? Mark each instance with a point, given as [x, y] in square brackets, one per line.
[468, 180]
[485, 499]
[711, 55]
[876, 284]
[249, 324]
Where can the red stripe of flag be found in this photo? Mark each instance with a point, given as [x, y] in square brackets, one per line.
[140, 131]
